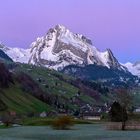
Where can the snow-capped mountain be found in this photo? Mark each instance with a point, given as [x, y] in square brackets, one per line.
[133, 68]
[17, 54]
[59, 48]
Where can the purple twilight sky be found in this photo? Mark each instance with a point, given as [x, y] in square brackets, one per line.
[113, 24]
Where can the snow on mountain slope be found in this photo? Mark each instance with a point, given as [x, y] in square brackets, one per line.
[17, 54]
[59, 48]
[133, 68]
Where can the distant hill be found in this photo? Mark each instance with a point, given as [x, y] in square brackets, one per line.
[110, 77]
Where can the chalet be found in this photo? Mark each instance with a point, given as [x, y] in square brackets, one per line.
[95, 116]
[43, 114]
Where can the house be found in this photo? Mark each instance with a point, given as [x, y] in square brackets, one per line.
[94, 116]
[137, 110]
[43, 114]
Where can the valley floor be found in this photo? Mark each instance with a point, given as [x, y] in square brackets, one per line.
[79, 132]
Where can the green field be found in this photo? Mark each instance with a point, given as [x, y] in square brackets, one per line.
[21, 102]
[79, 132]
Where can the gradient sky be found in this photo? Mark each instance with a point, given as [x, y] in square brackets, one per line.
[113, 24]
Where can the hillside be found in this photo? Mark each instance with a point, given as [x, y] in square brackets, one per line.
[21, 102]
[32, 89]
[13, 98]
[109, 77]
[63, 93]
[38, 89]
[55, 83]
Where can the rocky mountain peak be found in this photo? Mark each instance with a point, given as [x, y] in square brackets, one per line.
[113, 62]
[60, 47]
[59, 27]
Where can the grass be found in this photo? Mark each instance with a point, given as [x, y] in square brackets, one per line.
[4, 127]
[79, 132]
[21, 102]
[35, 121]
[24, 103]
[49, 77]
[134, 117]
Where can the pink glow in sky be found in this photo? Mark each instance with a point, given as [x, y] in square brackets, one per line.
[113, 24]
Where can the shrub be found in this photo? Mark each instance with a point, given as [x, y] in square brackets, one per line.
[63, 123]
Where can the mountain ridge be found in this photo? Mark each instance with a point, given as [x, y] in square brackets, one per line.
[59, 48]
[134, 68]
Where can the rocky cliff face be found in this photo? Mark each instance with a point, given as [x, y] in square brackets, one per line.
[60, 47]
